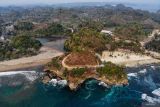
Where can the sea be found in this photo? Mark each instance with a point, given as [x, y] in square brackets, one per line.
[24, 88]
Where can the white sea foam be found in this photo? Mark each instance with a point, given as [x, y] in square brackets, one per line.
[149, 99]
[143, 71]
[55, 82]
[30, 75]
[156, 92]
[132, 75]
[103, 84]
[153, 67]
[62, 83]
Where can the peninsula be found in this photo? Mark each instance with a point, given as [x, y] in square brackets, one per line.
[93, 55]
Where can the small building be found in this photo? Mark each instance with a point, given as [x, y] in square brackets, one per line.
[2, 38]
[107, 32]
[10, 28]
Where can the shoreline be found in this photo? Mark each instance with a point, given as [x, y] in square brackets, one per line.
[48, 51]
[45, 56]
[7, 68]
[128, 59]
[142, 63]
[26, 62]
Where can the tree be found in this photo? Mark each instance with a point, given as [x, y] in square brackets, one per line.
[24, 43]
[52, 29]
[86, 39]
[95, 25]
[24, 26]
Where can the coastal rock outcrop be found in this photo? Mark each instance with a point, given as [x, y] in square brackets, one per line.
[84, 69]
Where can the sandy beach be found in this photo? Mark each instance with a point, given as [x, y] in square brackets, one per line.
[55, 48]
[128, 59]
[47, 52]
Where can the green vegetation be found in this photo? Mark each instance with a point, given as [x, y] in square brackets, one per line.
[90, 40]
[111, 70]
[19, 46]
[95, 25]
[24, 26]
[25, 43]
[154, 45]
[77, 72]
[55, 63]
[133, 46]
[132, 31]
[86, 40]
[51, 30]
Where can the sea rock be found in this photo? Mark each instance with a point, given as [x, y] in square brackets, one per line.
[46, 79]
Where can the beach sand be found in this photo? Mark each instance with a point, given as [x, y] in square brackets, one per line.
[128, 59]
[47, 52]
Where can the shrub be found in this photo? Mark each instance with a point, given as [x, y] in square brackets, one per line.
[77, 72]
[111, 70]
[24, 26]
[25, 43]
[55, 63]
[53, 29]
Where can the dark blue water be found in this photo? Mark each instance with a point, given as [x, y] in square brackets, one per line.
[26, 90]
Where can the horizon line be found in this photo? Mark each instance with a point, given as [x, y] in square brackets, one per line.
[36, 4]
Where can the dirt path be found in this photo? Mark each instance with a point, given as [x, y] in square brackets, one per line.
[76, 66]
[150, 38]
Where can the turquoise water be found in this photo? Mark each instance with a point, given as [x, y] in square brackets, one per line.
[26, 90]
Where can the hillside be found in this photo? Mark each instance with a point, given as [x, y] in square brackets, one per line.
[111, 15]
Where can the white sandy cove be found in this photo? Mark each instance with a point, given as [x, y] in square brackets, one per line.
[127, 59]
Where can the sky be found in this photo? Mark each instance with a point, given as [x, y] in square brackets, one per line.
[33, 2]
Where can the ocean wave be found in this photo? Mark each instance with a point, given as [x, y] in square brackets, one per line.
[156, 92]
[30, 75]
[135, 75]
[149, 99]
[143, 71]
[153, 67]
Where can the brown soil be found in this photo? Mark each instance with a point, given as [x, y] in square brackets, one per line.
[81, 58]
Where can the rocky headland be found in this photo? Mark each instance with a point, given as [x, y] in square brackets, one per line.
[77, 67]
